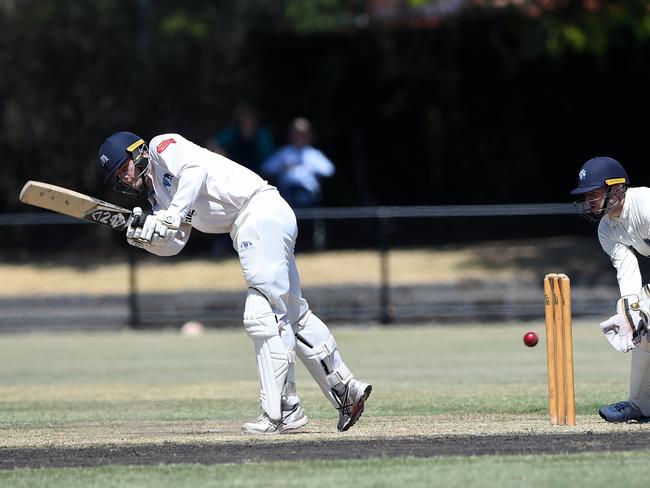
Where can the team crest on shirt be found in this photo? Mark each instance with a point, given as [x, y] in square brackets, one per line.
[582, 175]
[167, 180]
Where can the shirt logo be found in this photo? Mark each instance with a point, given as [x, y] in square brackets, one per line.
[245, 245]
[582, 175]
[167, 180]
[164, 145]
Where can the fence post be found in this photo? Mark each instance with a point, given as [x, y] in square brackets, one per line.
[134, 311]
[384, 288]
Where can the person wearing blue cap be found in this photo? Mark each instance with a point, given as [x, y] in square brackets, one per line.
[623, 216]
[191, 188]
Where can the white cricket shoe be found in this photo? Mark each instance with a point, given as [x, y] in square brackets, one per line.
[291, 420]
[352, 401]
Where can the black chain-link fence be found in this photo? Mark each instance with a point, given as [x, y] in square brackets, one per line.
[454, 264]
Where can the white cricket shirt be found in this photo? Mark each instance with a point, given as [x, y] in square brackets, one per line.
[206, 189]
[631, 230]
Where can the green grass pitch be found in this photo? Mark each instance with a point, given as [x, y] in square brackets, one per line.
[77, 390]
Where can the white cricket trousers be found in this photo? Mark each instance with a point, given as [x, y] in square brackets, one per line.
[265, 240]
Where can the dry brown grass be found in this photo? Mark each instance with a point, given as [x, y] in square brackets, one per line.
[328, 268]
[523, 260]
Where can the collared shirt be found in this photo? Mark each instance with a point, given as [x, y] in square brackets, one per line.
[301, 167]
[206, 189]
[631, 230]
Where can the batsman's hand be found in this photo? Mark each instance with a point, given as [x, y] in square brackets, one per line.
[160, 226]
[136, 223]
[155, 230]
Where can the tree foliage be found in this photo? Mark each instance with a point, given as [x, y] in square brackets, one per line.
[492, 104]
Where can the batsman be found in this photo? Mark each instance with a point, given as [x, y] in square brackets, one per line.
[190, 187]
[623, 216]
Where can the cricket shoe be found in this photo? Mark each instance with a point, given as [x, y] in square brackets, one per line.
[352, 401]
[620, 412]
[291, 420]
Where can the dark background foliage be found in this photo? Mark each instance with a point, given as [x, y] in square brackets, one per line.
[486, 106]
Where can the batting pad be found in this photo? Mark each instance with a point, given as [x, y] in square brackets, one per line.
[640, 377]
[270, 353]
[317, 350]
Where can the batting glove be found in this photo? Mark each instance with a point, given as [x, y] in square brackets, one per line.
[161, 226]
[136, 223]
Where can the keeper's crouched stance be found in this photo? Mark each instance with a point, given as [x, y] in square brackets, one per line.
[627, 331]
[622, 212]
[190, 187]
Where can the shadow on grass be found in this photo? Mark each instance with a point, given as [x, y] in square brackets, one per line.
[580, 258]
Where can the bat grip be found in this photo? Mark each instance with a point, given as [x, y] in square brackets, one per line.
[137, 218]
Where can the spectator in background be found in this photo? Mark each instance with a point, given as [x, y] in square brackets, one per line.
[245, 141]
[297, 167]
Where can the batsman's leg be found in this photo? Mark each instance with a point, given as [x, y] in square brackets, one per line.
[273, 364]
[289, 395]
[317, 349]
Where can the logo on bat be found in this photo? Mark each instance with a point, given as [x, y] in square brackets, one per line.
[115, 219]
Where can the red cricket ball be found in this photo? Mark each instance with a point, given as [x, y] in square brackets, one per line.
[530, 339]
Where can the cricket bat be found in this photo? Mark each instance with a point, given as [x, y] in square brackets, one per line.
[75, 204]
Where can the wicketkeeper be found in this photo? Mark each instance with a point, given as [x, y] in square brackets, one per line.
[190, 187]
[623, 214]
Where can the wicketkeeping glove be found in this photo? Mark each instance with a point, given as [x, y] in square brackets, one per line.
[625, 329]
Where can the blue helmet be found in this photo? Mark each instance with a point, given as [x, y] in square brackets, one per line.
[115, 150]
[118, 148]
[600, 172]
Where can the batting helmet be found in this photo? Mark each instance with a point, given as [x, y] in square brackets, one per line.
[118, 148]
[600, 172]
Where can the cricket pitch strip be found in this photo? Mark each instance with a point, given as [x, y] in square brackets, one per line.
[153, 443]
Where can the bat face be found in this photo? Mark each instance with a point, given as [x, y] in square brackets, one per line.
[74, 204]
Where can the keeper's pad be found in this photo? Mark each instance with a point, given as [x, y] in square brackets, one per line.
[271, 355]
[640, 377]
[317, 350]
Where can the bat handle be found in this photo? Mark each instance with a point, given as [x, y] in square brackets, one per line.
[137, 218]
